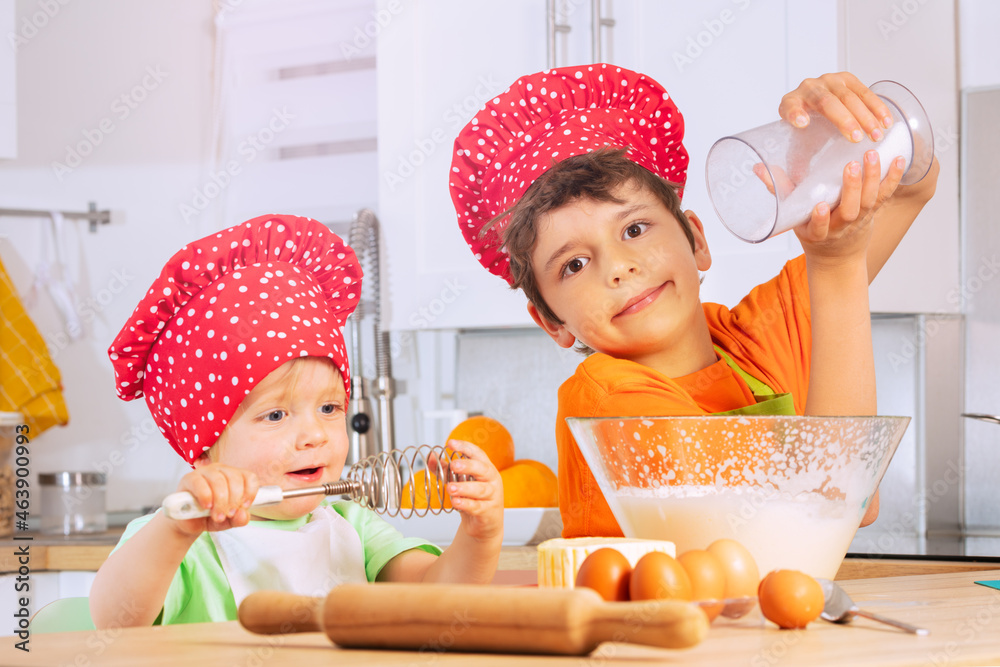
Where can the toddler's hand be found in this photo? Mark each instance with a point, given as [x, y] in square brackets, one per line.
[480, 500]
[226, 491]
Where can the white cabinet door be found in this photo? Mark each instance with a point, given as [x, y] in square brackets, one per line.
[914, 44]
[439, 61]
[8, 80]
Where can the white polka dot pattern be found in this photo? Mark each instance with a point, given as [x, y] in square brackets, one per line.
[547, 117]
[227, 310]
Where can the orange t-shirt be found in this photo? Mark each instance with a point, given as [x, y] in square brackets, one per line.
[768, 335]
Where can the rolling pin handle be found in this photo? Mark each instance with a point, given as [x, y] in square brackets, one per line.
[274, 613]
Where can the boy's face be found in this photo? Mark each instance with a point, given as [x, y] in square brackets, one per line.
[291, 430]
[621, 277]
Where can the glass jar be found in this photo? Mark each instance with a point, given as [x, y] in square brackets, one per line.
[73, 502]
[9, 421]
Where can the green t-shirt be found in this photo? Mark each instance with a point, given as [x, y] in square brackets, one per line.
[200, 591]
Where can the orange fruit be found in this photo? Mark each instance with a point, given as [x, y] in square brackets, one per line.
[490, 436]
[528, 483]
[416, 492]
[542, 468]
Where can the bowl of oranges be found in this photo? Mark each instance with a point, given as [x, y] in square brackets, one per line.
[791, 489]
[531, 496]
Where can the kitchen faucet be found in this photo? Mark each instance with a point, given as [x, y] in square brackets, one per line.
[369, 437]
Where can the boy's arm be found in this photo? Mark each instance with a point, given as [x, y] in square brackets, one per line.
[836, 245]
[132, 584]
[895, 217]
[473, 555]
[842, 363]
[842, 373]
[856, 111]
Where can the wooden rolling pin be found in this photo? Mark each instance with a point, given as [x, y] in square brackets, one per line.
[474, 618]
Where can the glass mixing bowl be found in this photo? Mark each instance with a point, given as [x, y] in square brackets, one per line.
[791, 489]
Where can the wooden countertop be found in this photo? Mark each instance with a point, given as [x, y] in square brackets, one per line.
[963, 618]
[87, 553]
[57, 552]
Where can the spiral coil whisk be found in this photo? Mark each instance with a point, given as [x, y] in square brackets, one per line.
[390, 483]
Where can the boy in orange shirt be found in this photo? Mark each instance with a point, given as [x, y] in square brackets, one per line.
[568, 186]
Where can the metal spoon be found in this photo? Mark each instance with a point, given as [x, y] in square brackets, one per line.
[986, 418]
[840, 608]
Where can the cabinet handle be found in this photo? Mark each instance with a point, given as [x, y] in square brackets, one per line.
[597, 22]
[554, 28]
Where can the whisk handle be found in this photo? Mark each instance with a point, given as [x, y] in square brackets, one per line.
[182, 505]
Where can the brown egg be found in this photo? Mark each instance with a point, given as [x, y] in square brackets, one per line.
[790, 598]
[658, 576]
[606, 571]
[742, 575]
[708, 579]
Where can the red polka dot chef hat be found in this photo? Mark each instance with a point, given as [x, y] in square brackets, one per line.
[227, 310]
[547, 117]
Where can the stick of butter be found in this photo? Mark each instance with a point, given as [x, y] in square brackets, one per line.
[559, 559]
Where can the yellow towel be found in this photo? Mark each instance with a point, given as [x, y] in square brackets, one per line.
[29, 381]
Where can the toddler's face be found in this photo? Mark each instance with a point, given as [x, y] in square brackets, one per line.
[291, 430]
[621, 276]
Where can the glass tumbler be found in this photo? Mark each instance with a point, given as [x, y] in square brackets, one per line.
[767, 180]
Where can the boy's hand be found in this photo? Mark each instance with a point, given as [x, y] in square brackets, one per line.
[843, 100]
[856, 111]
[480, 500]
[226, 491]
[845, 232]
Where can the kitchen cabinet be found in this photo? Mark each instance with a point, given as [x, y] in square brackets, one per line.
[915, 44]
[726, 63]
[45, 587]
[438, 62]
[8, 75]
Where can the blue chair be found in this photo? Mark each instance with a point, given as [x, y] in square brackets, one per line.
[63, 615]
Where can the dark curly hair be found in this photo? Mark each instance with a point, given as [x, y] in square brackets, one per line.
[596, 176]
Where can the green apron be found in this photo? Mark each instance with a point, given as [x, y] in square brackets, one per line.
[768, 403]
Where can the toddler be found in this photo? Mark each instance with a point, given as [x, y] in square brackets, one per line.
[237, 348]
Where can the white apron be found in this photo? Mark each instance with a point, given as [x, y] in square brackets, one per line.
[323, 553]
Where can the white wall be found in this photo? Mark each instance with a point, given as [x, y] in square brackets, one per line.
[981, 243]
[979, 49]
[8, 89]
[72, 73]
